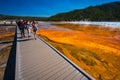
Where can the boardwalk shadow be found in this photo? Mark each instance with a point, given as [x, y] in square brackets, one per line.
[22, 40]
[19, 37]
[6, 42]
[18, 33]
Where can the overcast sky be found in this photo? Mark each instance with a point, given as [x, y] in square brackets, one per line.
[45, 8]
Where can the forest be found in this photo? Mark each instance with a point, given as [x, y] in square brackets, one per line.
[104, 12]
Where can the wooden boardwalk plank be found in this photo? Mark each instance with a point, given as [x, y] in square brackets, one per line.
[37, 61]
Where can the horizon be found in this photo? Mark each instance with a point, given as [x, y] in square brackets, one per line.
[45, 8]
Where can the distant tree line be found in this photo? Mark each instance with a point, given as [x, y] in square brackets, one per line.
[10, 17]
[105, 12]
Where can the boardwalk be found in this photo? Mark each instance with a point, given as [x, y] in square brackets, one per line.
[36, 60]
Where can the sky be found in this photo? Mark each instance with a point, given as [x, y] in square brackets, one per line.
[45, 8]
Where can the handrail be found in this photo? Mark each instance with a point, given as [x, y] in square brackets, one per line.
[9, 73]
[7, 24]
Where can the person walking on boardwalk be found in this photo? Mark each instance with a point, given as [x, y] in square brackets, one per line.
[25, 22]
[28, 28]
[34, 26]
[21, 27]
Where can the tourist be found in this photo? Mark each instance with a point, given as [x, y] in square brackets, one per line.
[28, 28]
[11, 22]
[4, 22]
[21, 27]
[34, 26]
[26, 25]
